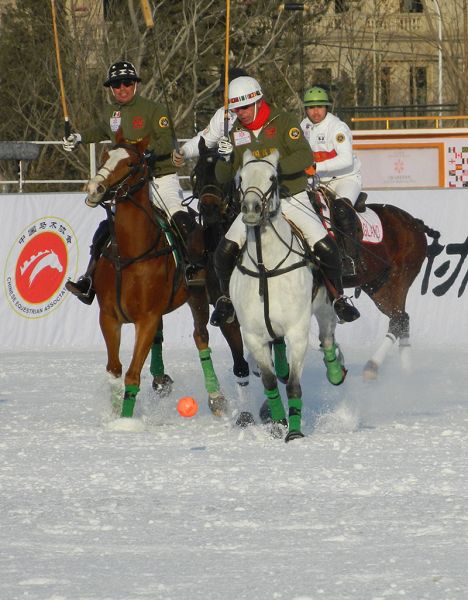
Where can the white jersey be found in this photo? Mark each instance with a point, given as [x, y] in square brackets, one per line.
[332, 144]
[212, 133]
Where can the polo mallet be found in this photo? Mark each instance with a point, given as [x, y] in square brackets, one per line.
[59, 71]
[148, 16]
[226, 70]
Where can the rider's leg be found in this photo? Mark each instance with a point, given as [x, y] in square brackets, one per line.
[225, 258]
[323, 247]
[83, 287]
[191, 233]
[346, 223]
[328, 256]
[167, 195]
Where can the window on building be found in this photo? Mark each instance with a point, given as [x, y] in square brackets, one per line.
[418, 86]
[385, 86]
[411, 6]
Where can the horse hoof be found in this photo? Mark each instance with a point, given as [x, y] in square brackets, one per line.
[245, 419]
[162, 385]
[218, 405]
[278, 429]
[293, 435]
[264, 413]
[339, 381]
[371, 371]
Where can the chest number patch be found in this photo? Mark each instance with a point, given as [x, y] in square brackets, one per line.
[340, 138]
[163, 122]
[294, 133]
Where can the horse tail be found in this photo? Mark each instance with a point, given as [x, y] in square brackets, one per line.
[432, 233]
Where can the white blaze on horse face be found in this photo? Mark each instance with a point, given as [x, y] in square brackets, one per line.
[95, 187]
[257, 178]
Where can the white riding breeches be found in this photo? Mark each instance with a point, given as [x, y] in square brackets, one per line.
[345, 187]
[298, 210]
[167, 194]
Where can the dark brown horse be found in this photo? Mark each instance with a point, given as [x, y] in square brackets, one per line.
[218, 207]
[139, 278]
[386, 269]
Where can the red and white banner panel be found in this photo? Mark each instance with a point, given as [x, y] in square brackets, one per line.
[46, 240]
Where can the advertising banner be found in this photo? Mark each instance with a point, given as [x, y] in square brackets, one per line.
[46, 239]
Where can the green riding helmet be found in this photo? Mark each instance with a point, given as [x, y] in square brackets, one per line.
[316, 96]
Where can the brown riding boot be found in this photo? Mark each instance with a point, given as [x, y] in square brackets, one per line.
[192, 237]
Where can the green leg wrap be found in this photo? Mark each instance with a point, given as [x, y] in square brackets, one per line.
[128, 405]
[295, 410]
[275, 404]
[281, 361]
[211, 381]
[157, 363]
[334, 368]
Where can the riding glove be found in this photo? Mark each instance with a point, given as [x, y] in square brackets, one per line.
[178, 158]
[71, 142]
[225, 149]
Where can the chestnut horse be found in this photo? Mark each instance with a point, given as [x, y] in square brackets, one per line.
[139, 277]
[387, 267]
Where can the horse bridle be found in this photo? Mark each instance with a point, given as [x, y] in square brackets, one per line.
[264, 197]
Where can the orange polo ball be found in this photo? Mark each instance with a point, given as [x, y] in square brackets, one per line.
[187, 406]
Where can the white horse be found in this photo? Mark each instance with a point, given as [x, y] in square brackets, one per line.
[271, 291]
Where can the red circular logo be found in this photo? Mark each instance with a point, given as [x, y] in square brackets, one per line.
[41, 267]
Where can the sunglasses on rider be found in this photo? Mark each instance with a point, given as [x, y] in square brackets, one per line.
[120, 82]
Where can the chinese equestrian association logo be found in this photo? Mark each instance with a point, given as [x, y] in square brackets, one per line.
[42, 259]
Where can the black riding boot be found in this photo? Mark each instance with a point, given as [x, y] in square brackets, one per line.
[225, 258]
[346, 223]
[193, 243]
[328, 256]
[83, 287]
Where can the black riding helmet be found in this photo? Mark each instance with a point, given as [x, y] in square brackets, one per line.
[121, 70]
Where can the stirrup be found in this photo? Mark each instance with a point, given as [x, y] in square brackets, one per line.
[345, 310]
[82, 289]
[348, 266]
[195, 276]
[223, 312]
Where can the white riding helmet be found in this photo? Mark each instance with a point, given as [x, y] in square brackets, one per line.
[244, 91]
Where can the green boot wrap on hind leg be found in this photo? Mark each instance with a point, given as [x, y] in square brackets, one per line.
[275, 405]
[211, 381]
[129, 400]
[335, 372]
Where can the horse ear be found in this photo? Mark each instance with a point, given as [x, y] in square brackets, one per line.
[247, 156]
[201, 145]
[143, 144]
[119, 137]
[273, 158]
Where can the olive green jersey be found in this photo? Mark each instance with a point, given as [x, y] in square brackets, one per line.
[137, 119]
[281, 132]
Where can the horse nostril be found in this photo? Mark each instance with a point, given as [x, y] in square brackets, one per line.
[244, 208]
[101, 189]
[258, 208]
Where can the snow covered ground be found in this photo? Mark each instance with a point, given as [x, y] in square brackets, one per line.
[371, 505]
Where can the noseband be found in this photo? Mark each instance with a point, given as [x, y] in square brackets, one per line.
[263, 197]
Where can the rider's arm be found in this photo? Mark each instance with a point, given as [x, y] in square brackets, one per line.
[211, 134]
[342, 141]
[298, 156]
